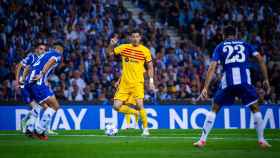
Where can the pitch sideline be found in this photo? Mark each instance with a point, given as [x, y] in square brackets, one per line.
[148, 137]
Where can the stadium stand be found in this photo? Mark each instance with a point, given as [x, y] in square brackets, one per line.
[85, 27]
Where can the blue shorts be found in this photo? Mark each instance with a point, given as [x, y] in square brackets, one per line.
[247, 93]
[25, 95]
[40, 92]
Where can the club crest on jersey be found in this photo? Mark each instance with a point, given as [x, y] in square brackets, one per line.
[126, 59]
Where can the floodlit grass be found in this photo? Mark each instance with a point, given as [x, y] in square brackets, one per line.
[129, 144]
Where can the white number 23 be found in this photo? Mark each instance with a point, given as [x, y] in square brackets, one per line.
[233, 57]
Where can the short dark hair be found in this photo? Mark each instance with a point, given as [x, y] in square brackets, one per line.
[135, 31]
[58, 44]
[229, 30]
[37, 44]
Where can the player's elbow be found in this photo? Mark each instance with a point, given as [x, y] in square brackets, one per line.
[150, 65]
[213, 66]
[110, 51]
[111, 54]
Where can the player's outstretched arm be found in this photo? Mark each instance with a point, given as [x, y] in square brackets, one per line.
[151, 75]
[25, 72]
[264, 72]
[209, 76]
[112, 45]
[117, 83]
[18, 68]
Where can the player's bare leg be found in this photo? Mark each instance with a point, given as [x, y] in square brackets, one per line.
[208, 125]
[258, 122]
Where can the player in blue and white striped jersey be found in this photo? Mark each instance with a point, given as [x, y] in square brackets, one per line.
[37, 84]
[233, 55]
[21, 70]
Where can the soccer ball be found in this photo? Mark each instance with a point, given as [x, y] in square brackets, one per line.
[110, 129]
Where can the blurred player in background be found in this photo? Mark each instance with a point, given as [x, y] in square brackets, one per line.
[233, 55]
[21, 71]
[134, 56]
[40, 90]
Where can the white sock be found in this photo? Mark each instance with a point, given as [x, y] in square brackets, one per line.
[49, 125]
[43, 125]
[258, 122]
[208, 124]
[34, 115]
[27, 116]
[37, 109]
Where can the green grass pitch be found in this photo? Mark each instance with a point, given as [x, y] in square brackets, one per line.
[129, 144]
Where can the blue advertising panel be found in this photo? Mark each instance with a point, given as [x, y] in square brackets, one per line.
[82, 117]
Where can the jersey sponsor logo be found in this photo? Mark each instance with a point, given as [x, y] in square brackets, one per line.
[133, 61]
[126, 59]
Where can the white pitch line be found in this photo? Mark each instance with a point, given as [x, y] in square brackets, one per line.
[218, 134]
[148, 137]
[10, 134]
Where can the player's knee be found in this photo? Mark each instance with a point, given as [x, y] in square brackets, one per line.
[140, 103]
[117, 104]
[56, 107]
[140, 107]
[45, 106]
[33, 104]
[254, 108]
[137, 108]
[116, 107]
[216, 108]
[53, 103]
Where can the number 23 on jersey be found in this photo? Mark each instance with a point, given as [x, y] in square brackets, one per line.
[235, 53]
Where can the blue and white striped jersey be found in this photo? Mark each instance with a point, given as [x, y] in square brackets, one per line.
[27, 61]
[37, 67]
[234, 55]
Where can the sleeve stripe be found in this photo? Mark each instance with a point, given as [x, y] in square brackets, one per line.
[124, 55]
[131, 53]
[55, 58]
[147, 61]
[134, 50]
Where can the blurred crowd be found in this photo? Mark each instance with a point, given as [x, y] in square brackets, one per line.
[85, 27]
